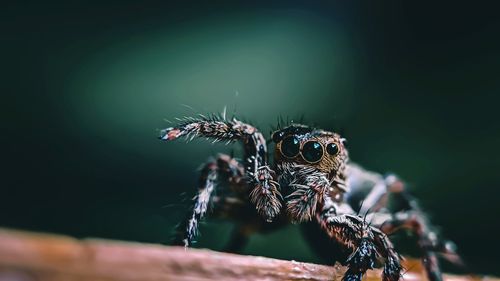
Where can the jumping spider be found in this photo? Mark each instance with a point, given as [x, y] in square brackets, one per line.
[313, 182]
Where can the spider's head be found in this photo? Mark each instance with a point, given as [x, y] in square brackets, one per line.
[308, 161]
[306, 146]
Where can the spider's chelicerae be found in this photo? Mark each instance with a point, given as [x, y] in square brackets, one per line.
[312, 182]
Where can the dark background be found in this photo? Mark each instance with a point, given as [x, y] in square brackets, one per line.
[86, 85]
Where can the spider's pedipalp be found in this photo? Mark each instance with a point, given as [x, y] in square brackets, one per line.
[265, 194]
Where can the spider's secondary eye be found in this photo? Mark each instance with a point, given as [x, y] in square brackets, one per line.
[312, 151]
[290, 146]
[332, 149]
[278, 136]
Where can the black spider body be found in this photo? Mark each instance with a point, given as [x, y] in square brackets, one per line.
[312, 182]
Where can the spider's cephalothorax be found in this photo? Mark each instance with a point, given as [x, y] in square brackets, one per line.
[310, 165]
[311, 180]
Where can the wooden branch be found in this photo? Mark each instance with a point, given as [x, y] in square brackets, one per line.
[39, 257]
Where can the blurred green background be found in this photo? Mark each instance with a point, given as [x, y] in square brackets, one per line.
[86, 85]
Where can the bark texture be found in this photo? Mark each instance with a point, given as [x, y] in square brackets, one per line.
[26, 256]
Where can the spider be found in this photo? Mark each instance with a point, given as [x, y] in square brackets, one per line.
[312, 182]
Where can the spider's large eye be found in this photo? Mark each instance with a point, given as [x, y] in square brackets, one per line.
[332, 148]
[277, 136]
[312, 151]
[290, 146]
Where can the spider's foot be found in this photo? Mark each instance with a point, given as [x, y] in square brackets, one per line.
[352, 276]
[392, 270]
[169, 134]
[364, 257]
[361, 260]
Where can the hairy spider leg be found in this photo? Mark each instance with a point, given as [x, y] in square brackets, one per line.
[188, 229]
[412, 219]
[426, 238]
[265, 194]
[216, 178]
[364, 243]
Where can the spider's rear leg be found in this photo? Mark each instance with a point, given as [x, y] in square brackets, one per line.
[215, 176]
[427, 240]
[412, 218]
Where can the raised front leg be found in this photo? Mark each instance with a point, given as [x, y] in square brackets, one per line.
[264, 191]
[214, 127]
[363, 243]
